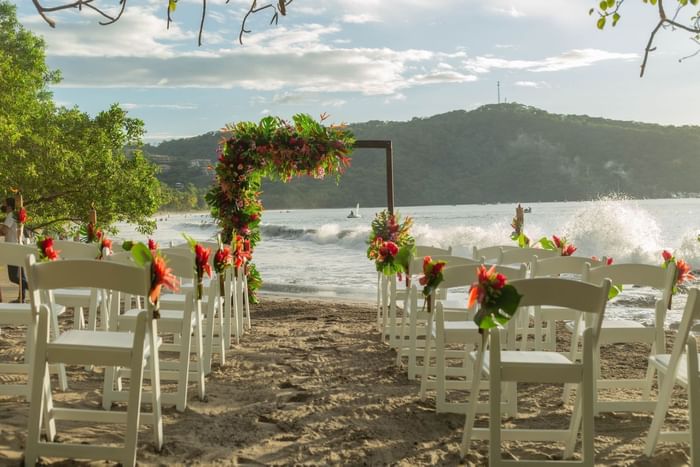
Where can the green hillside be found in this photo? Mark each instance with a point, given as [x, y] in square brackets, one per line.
[496, 153]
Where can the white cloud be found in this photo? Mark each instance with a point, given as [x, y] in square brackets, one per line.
[511, 11]
[334, 103]
[360, 19]
[395, 98]
[576, 58]
[532, 84]
[264, 111]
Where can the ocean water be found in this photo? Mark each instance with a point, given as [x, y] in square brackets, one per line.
[320, 252]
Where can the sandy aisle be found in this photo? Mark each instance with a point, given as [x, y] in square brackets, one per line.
[312, 385]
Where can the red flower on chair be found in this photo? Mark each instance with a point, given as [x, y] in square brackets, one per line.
[201, 256]
[223, 259]
[46, 250]
[498, 300]
[432, 277]
[683, 269]
[560, 244]
[105, 247]
[152, 245]
[161, 275]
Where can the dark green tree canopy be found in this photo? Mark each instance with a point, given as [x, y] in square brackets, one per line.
[62, 160]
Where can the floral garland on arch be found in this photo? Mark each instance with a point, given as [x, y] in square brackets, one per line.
[274, 149]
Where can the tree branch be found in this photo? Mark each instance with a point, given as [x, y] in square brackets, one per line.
[52, 197]
[279, 8]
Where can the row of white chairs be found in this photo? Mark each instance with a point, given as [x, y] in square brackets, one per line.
[199, 327]
[441, 330]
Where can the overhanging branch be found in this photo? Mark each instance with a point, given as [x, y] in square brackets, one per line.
[279, 8]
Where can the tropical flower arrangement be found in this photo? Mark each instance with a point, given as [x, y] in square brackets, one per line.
[275, 149]
[105, 247]
[89, 233]
[498, 301]
[432, 277]
[161, 274]
[223, 260]
[557, 243]
[391, 245]
[683, 269]
[46, 250]
[201, 262]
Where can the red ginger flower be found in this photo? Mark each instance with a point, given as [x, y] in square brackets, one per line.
[46, 250]
[201, 256]
[161, 275]
[557, 241]
[222, 259]
[106, 243]
[667, 255]
[22, 216]
[568, 250]
[152, 244]
[488, 284]
[683, 272]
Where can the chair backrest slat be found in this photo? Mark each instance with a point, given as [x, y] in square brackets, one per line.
[490, 253]
[565, 293]
[75, 250]
[524, 255]
[96, 274]
[426, 250]
[465, 275]
[562, 265]
[634, 274]
[14, 254]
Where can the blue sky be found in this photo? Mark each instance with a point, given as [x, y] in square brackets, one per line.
[360, 60]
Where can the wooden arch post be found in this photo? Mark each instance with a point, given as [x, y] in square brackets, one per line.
[386, 145]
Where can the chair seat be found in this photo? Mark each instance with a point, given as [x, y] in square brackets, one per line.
[102, 348]
[661, 362]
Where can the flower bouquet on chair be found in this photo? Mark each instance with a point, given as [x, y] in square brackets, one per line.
[431, 279]
[201, 263]
[391, 245]
[498, 301]
[161, 274]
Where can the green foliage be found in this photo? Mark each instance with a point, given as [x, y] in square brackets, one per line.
[141, 254]
[62, 160]
[498, 311]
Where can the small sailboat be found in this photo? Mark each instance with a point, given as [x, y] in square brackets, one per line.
[356, 213]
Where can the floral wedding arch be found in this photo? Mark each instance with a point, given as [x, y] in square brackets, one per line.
[277, 150]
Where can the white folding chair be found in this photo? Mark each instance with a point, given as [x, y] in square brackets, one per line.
[98, 348]
[21, 314]
[544, 318]
[490, 254]
[540, 367]
[615, 331]
[79, 299]
[679, 367]
[456, 327]
[412, 323]
[182, 324]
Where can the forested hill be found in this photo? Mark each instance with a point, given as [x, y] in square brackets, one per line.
[496, 153]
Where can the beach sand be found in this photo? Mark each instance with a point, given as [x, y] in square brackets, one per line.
[313, 384]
